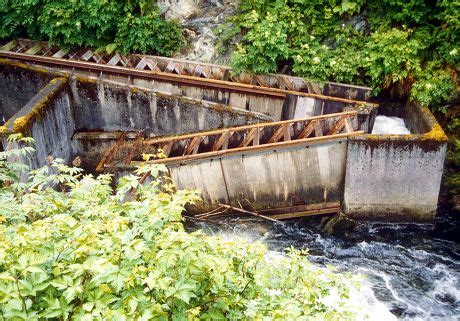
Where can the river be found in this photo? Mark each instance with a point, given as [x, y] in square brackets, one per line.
[412, 270]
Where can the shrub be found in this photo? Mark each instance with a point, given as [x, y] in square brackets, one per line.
[383, 44]
[71, 248]
[130, 26]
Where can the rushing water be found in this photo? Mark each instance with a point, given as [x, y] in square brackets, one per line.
[411, 270]
[389, 125]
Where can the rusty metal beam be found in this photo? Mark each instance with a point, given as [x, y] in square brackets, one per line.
[171, 77]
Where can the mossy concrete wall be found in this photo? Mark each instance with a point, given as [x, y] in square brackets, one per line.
[51, 107]
[396, 177]
[276, 107]
[47, 118]
[104, 105]
[18, 85]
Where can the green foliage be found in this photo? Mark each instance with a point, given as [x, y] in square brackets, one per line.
[134, 33]
[453, 176]
[129, 26]
[72, 248]
[408, 45]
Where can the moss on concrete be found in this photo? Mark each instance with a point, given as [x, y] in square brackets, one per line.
[28, 114]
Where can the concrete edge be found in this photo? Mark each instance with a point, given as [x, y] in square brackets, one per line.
[34, 68]
[434, 134]
[22, 121]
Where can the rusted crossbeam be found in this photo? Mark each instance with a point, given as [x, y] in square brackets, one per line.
[245, 138]
[165, 69]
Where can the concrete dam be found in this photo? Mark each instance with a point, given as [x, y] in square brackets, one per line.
[276, 145]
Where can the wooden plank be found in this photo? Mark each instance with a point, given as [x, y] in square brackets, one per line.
[167, 148]
[222, 141]
[338, 126]
[87, 55]
[34, 49]
[10, 45]
[192, 148]
[256, 139]
[61, 53]
[306, 213]
[248, 212]
[299, 208]
[235, 129]
[348, 125]
[279, 132]
[134, 148]
[307, 130]
[249, 137]
[287, 132]
[115, 59]
[107, 158]
[288, 144]
[142, 63]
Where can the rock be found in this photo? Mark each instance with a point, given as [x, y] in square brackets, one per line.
[199, 20]
[201, 45]
[338, 225]
[178, 9]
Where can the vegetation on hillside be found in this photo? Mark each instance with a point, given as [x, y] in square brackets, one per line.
[72, 248]
[126, 26]
[411, 46]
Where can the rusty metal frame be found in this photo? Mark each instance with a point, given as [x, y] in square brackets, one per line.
[163, 69]
[309, 131]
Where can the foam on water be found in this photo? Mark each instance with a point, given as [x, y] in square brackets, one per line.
[385, 125]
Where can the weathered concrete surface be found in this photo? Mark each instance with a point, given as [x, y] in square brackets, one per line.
[18, 85]
[103, 105]
[64, 106]
[108, 106]
[276, 107]
[305, 175]
[396, 177]
[47, 118]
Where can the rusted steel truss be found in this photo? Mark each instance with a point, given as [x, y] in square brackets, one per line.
[257, 137]
[166, 69]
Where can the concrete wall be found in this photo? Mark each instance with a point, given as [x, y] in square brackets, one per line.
[18, 85]
[64, 106]
[103, 105]
[396, 177]
[302, 175]
[47, 118]
[276, 107]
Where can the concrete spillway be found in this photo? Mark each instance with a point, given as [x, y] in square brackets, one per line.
[385, 177]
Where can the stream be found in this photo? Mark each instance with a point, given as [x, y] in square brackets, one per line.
[410, 270]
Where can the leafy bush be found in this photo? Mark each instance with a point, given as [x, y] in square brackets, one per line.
[129, 26]
[70, 248]
[408, 45]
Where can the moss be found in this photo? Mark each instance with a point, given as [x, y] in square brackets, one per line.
[4, 130]
[23, 123]
[87, 80]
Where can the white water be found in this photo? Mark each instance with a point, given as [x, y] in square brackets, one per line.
[384, 125]
[408, 274]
